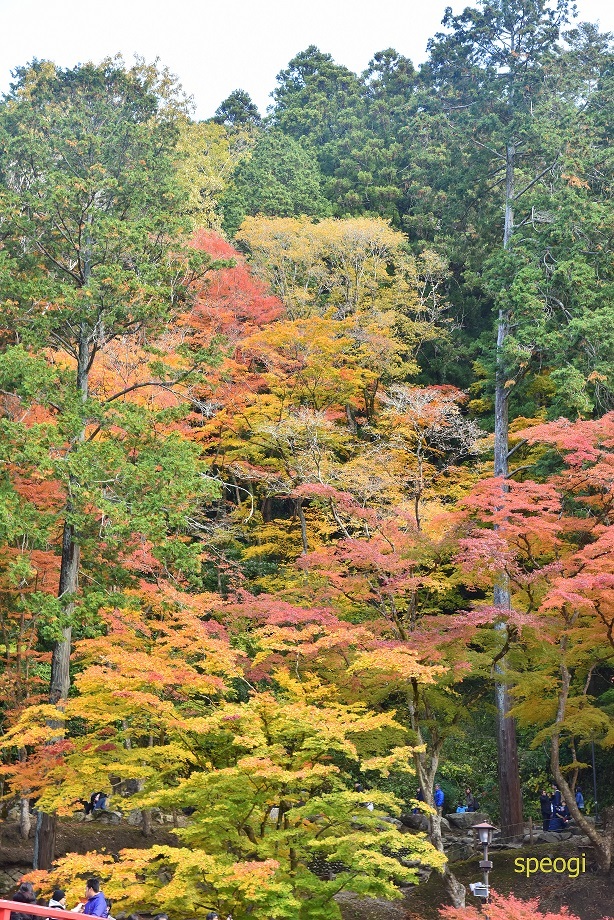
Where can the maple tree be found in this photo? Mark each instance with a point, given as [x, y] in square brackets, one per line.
[268, 781]
[246, 515]
[553, 540]
[507, 908]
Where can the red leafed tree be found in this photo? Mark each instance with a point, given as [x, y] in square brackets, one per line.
[554, 541]
[506, 908]
[233, 302]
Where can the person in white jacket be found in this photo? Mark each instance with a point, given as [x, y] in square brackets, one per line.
[58, 899]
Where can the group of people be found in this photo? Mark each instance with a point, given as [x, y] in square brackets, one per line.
[470, 803]
[555, 813]
[94, 905]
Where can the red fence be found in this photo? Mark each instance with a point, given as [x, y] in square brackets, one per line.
[36, 910]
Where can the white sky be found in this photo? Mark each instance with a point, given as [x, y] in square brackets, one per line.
[215, 46]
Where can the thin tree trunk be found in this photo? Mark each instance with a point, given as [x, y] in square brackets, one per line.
[426, 777]
[510, 795]
[303, 523]
[44, 846]
[456, 890]
[146, 829]
[601, 842]
[24, 818]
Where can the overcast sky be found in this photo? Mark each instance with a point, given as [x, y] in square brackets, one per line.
[215, 46]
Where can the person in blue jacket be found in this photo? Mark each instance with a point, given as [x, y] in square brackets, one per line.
[96, 903]
[579, 799]
[438, 798]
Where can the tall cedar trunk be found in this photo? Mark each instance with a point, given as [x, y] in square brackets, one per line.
[44, 845]
[510, 796]
[44, 841]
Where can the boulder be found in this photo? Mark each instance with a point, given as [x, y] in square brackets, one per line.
[394, 821]
[417, 822]
[106, 817]
[459, 851]
[466, 819]
[554, 836]
[420, 822]
[10, 877]
[135, 817]
[132, 786]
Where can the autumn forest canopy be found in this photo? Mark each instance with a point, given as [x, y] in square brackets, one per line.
[307, 460]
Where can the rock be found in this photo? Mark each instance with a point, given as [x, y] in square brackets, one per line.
[465, 819]
[132, 786]
[135, 817]
[369, 908]
[417, 822]
[420, 822]
[553, 837]
[394, 821]
[459, 851]
[107, 817]
[11, 877]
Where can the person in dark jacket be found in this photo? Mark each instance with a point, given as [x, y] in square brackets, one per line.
[470, 800]
[579, 799]
[25, 894]
[546, 809]
[558, 821]
[419, 798]
[556, 798]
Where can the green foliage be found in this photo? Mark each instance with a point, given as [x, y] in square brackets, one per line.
[281, 178]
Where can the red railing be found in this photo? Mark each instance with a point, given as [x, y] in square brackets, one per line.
[36, 910]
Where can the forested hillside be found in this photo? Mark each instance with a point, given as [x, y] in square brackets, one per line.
[307, 461]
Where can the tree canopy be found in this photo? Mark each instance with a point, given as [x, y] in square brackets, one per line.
[256, 561]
